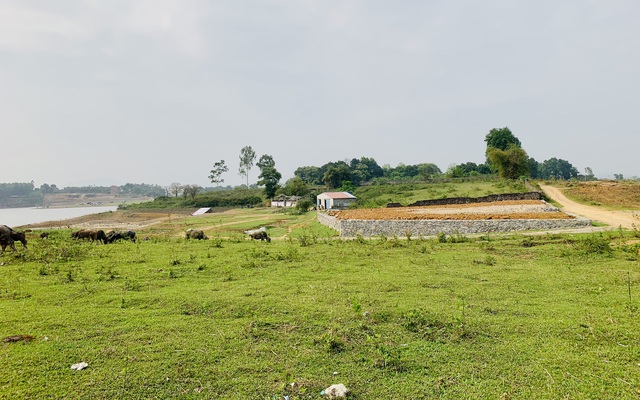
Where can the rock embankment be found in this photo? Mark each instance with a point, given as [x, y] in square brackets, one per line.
[508, 216]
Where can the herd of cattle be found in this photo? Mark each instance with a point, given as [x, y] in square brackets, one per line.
[99, 235]
[8, 236]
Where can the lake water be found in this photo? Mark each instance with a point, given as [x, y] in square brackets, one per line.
[22, 216]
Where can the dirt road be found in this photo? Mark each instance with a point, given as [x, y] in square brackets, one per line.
[614, 219]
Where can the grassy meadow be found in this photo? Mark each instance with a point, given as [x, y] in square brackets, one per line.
[380, 195]
[503, 317]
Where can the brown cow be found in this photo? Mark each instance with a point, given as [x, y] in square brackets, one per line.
[93, 235]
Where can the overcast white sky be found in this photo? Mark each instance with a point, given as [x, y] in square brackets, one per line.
[155, 91]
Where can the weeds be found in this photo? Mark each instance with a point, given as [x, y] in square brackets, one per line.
[307, 239]
[107, 274]
[594, 245]
[487, 260]
[290, 254]
[216, 242]
[389, 358]
[457, 238]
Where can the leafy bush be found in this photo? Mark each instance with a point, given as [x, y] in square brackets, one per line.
[304, 205]
[594, 245]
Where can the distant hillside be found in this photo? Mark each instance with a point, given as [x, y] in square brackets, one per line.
[90, 199]
[18, 194]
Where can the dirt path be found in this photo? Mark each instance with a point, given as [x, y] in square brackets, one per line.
[311, 217]
[614, 219]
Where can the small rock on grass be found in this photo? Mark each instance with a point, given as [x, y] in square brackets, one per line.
[336, 391]
[79, 366]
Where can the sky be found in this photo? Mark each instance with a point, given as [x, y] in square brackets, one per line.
[102, 92]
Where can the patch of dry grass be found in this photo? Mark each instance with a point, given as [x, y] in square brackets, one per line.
[616, 194]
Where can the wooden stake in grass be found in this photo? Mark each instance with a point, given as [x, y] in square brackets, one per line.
[629, 285]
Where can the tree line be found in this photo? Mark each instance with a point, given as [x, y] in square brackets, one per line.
[504, 157]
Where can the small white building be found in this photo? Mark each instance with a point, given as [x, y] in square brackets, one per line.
[285, 201]
[333, 200]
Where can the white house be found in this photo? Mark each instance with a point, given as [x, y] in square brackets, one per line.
[285, 201]
[329, 200]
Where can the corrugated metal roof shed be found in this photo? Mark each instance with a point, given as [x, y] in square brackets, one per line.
[338, 195]
[202, 211]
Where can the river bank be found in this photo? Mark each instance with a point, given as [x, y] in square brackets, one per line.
[112, 219]
[31, 215]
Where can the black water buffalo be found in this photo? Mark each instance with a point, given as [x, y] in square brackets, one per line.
[195, 234]
[8, 236]
[262, 235]
[93, 235]
[126, 235]
[44, 235]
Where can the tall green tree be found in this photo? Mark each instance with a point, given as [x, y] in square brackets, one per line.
[534, 168]
[504, 154]
[555, 168]
[269, 176]
[191, 190]
[247, 158]
[501, 138]
[218, 169]
[296, 186]
[265, 161]
[510, 163]
[335, 174]
[428, 170]
[309, 174]
[364, 169]
[455, 171]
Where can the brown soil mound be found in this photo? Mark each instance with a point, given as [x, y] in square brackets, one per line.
[113, 220]
[522, 209]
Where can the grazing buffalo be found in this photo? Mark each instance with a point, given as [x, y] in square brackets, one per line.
[44, 235]
[8, 236]
[195, 234]
[262, 235]
[126, 235]
[93, 235]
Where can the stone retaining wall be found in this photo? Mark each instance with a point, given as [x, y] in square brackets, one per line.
[467, 200]
[417, 228]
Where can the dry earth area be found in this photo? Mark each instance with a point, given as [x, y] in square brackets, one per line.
[518, 209]
[617, 194]
[628, 219]
[119, 220]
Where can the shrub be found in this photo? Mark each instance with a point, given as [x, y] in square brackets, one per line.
[592, 244]
[304, 205]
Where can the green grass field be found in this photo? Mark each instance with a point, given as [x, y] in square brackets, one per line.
[508, 317]
[381, 195]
